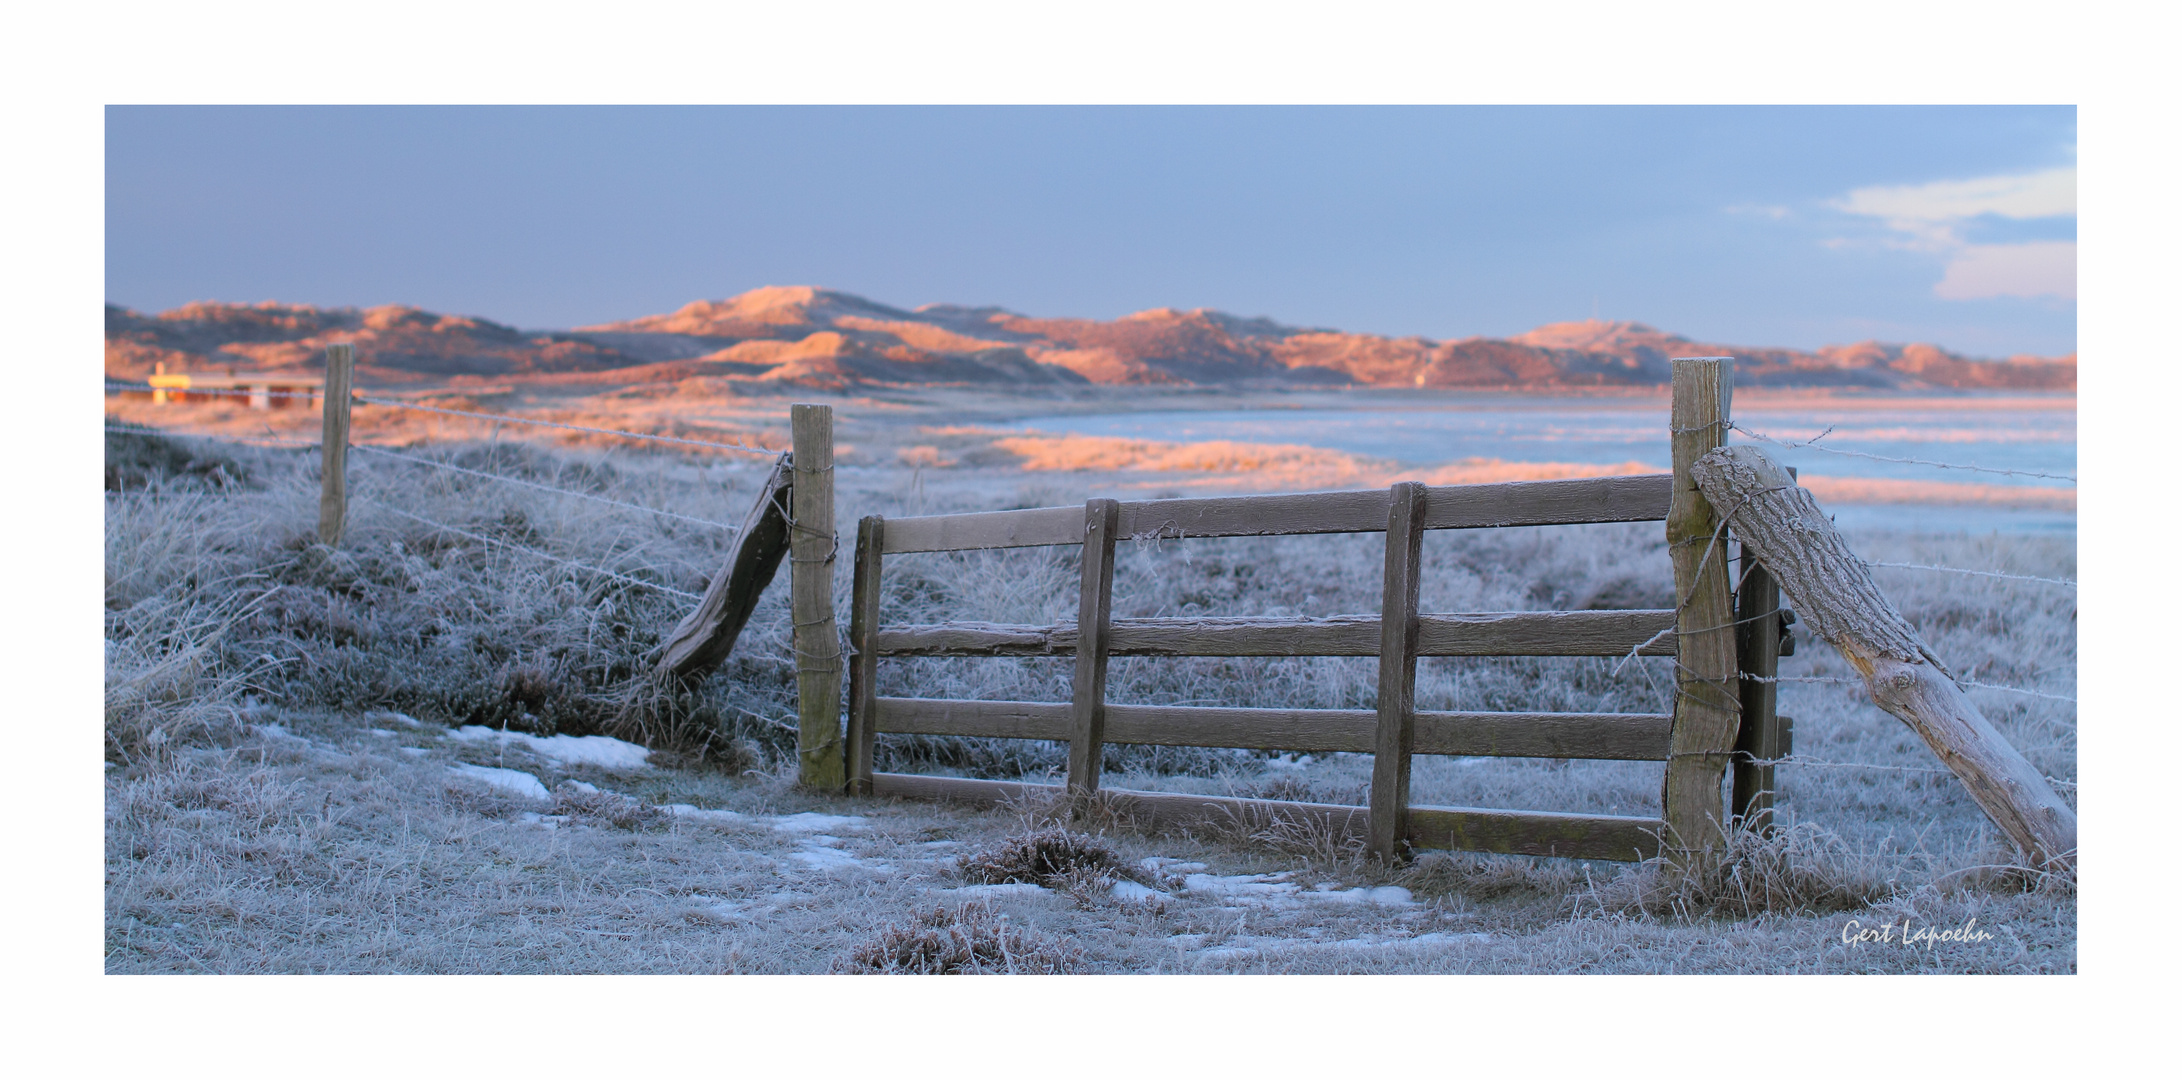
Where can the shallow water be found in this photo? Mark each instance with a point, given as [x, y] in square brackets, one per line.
[2025, 433]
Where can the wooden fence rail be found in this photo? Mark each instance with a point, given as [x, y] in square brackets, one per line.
[1398, 634]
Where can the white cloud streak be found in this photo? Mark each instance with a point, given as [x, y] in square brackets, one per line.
[1928, 217]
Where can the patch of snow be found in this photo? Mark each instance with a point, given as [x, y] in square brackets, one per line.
[514, 780]
[941, 843]
[588, 789]
[273, 731]
[811, 823]
[825, 858]
[550, 821]
[380, 732]
[416, 751]
[388, 715]
[685, 810]
[1383, 896]
[1130, 892]
[598, 750]
[822, 840]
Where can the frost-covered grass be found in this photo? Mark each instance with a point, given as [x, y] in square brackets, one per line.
[299, 742]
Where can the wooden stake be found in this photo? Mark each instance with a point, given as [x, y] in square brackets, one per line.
[1707, 701]
[817, 639]
[334, 444]
[864, 666]
[1757, 653]
[1397, 672]
[1835, 597]
[1094, 609]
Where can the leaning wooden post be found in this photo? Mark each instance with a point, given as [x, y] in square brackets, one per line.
[1094, 633]
[864, 664]
[1833, 593]
[1395, 735]
[1707, 704]
[333, 496]
[817, 638]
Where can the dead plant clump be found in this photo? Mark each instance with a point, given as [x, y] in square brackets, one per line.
[584, 804]
[969, 940]
[1793, 868]
[1054, 857]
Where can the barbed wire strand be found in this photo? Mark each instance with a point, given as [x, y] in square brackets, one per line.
[526, 549]
[245, 440]
[1818, 764]
[1979, 573]
[503, 418]
[541, 487]
[1860, 683]
[1812, 444]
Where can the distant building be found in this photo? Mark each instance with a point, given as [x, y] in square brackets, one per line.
[267, 389]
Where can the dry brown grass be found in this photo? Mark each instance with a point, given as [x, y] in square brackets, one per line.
[967, 940]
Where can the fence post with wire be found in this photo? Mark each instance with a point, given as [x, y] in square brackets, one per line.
[333, 457]
[812, 546]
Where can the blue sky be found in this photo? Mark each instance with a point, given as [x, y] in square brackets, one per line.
[1750, 225]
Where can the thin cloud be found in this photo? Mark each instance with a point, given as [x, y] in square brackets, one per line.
[1929, 217]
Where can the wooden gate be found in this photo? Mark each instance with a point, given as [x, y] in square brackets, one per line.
[1697, 739]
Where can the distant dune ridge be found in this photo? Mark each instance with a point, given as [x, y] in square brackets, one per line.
[801, 335]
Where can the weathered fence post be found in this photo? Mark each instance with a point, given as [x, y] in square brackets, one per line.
[334, 444]
[1707, 705]
[864, 666]
[1763, 736]
[1094, 633]
[816, 638]
[1834, 594]
[1395, 735]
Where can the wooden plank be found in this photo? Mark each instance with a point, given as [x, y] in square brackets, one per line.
[1041, 527]
[1533, 832]
[1574, 836]
[1465, 506]
[1547, 633]
[816, 637]
[1094, 607]
[1589, 500]
[1596, 736]
[1608, 736]
[1148, 810]
[864, 596]
[1707, 700]
[1256, 515]
[333, 497]
[708, 633]
[1397, 670]
[976, 719]
[1757, 653]
[1504, 633]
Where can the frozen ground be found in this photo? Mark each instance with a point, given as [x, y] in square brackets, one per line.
[412, 754]
[321, 846]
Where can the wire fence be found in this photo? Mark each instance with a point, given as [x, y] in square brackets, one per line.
[502, 418]
[275, 441]
[451, 467]
[1812, 444]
